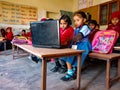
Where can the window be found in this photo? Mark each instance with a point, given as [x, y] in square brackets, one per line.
[103, 15]
[106, 9]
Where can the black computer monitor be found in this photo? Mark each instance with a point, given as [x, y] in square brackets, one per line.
[45, 34]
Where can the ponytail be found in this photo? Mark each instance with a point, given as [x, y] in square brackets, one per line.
[87, 15]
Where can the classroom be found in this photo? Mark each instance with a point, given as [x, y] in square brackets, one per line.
[59, 44]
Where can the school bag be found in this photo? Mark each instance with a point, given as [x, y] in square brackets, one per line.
[19, 40]
[104, 41]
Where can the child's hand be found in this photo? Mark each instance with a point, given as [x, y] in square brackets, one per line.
[77, 37]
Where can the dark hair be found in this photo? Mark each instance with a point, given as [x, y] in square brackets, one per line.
[9, 28]
[66, 18]
[50, 19]
[23, 30]
[92, 22]
[98, 25]
[87, 16]
[3, 32]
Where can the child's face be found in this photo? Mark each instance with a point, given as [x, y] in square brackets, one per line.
[8, 30]
[92, 26]
[78, 21]
[115, 21]
[23, 32]
[97, 27]
[63, 24]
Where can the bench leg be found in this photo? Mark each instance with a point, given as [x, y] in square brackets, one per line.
[5, 48]
[108, 74]
[13, 50]
[119, 68]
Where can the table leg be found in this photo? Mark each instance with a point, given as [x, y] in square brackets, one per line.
[119, 68]
[13, 47]
[44, 67]
[17, 49]
[108, 74]
[78, 72]
[5, 48]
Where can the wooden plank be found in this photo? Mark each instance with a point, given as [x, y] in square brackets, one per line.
[94, 11]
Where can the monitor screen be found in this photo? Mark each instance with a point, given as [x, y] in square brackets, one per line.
[45, 34]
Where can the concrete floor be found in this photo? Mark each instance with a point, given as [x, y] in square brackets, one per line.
[24, 74]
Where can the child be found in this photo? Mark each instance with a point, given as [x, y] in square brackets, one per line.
[9, 37]
[80, 39]
[3, 32]
[66, 34]
[9, 34]
[92, 24]
[97, 27]
[2, 35]
[23, 33]
[115, 24]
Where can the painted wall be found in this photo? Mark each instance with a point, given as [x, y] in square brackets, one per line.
[48, 8]
[46, 5]
[95, 2]
[52, 7]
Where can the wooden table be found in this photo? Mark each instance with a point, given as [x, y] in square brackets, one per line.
[46, 53]
[117, 48]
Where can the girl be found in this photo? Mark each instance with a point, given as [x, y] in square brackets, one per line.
[23, 33]
[80, 39]
[3, 32]
[92, 24]
[66, 31]
[9, 34]
[66, 34]
[9, 37]
[115, 24]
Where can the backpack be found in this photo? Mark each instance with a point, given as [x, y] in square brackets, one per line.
[19, 40]
[104, 41]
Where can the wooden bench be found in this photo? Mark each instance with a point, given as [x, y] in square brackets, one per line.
[108, 58]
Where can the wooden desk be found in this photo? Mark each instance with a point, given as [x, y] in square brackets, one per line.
[117, 48]
[46, 53]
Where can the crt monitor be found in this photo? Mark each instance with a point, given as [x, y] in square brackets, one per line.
[45, 34]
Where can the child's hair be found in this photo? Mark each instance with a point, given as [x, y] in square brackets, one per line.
[92, 22]
[50, 19]
[66, 18]
[3, 32]
[23, 30]
[10, 28]
[87, 16]
[98, 25]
